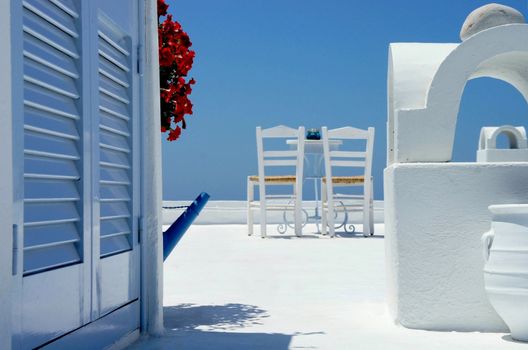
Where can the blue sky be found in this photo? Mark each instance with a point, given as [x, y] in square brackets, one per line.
[311, 63]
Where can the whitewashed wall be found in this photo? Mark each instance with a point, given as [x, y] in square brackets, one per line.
[436, 211]
[435, 217]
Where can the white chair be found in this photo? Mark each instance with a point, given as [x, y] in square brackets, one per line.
[348, 158]
[284, 158]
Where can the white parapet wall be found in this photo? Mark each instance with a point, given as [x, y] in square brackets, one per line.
[235, 212]
[435, 216]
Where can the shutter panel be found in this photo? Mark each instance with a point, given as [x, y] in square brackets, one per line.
[52, 206]
[115, 142]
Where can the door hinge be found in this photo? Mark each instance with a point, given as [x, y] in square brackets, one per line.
[15, 250]
[140, 59]
[139, 229]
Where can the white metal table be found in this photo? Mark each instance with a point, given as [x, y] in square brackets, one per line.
[314, 170]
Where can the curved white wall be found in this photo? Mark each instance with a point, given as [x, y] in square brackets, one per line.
[425, 133]
[407, 85]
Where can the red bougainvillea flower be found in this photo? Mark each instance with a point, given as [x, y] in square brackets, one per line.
[175, 61]
[162, 8]
[174, 134]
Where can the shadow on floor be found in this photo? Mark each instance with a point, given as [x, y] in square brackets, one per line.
[338, 234]
[201, 327]
[357, 235]
[508, 338]
[212, 317]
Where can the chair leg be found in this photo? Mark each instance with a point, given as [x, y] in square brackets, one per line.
[366, 210]
[371, 210]
[250, 199]
[330, 211]
[330, 217]
[323, 212]
[298, 213]
[263, 218]
[366, 217]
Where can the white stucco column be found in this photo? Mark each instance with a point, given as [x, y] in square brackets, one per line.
[151, 236]
[6, 177]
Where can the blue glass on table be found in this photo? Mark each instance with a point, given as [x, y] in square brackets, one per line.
[313, 134]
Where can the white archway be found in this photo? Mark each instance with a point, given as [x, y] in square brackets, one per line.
[516, 137]
[423, 106]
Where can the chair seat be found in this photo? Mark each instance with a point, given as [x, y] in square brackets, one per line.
[346, 179]
[274, 179]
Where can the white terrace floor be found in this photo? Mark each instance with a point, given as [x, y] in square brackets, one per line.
[225, 290]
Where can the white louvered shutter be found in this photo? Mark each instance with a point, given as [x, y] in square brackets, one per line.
[115, 143]
[52, 141]
[80, 166]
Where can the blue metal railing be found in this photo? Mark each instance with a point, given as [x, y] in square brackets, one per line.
[175, 232]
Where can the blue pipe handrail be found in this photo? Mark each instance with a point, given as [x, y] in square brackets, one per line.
[175, 232]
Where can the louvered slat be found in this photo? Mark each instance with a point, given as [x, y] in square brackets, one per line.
[53, 15]
[106, 68]
[113, 107]
[41, 141]
[114, 139]
[46, 120]
[114, 158]
[52, 174]
[67, 6]
[40, 214]
[43, 165]
[110, 121]
[45, 190]
[108, 192]
[46, 100]
[50, 257]
[113, 89]
[114, 174]
[38, 237]
[48, 78]
[40, 52]
[45, 31]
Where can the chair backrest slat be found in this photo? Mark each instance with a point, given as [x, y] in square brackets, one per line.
[279, 154]
[348, 163]
[348, 133]
[347, 154]
[280, 162]
[347, 157]
[280, 131]
[280, 158]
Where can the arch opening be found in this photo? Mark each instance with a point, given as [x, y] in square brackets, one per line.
[487, 102]
[506, 140]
